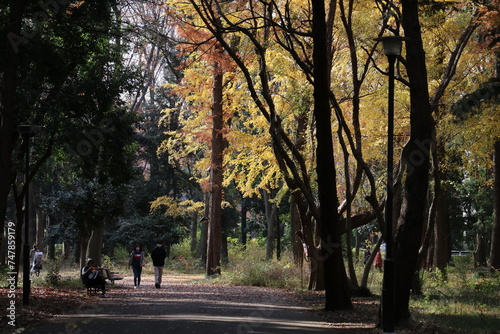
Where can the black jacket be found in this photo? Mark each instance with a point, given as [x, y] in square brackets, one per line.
[158, 256]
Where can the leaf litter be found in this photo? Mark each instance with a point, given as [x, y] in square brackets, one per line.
[46, 303]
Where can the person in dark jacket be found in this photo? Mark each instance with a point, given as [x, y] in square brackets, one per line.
[137, 262]
[91, 277]
[158, 256]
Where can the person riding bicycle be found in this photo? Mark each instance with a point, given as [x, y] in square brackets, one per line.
[36, 261]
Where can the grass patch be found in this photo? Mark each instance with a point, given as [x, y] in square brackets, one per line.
[248, 267]
[461, 297]
[276, 274]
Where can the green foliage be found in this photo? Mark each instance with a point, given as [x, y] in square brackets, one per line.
[107, 262]
[53, 278]
[181, 259]
[248, 267]
[120, 256]
[255, 272]
[70, 283]
[186, 265]
[3, 273]
[182, 249]
[145, 230]
[460, 298]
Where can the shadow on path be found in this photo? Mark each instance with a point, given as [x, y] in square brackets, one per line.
[188, 308]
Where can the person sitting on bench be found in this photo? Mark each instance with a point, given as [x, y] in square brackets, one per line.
[91, 277]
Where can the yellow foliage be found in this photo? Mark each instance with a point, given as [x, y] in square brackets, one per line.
[175, 208]
[249, 159]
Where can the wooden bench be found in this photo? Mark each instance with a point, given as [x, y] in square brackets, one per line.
[108, 275]
[92, 290]
[111, 275]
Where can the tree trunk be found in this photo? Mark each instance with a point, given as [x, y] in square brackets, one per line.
[317, 270]
[214, 231]
[442, 250]
[357, 243]
[295, 224]
[337, 294]
[194, 232]
[244, 209]
[66, 250]
[410, 224]
[8, 105]
[202, 249]
[368, 265]
[76, 252]
[51, 247]
[51, 251]
[84, 241]
[19, 236]
[495, 235]
[297, 248]
[3, 245]
[270, 209]
[278, 238]
[426, 254]
[348, 221]
[40, 228]
[224, 251]
[439, 251]
[480, 252]
[94, 250]
[33, 216]
[306, 240]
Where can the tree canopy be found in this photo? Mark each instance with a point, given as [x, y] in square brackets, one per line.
[156, 115]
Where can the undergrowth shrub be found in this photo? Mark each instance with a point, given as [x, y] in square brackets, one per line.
[53, 278]
[276, 274]
[182, 249]
[3, 273]
[461, 298]
[185, 265]
[248, 266]
[182, 260]
[107, 262]
[121, 256]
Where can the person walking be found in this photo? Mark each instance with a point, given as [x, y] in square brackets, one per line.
[158, 256]
[378, 261]
[137, 262]
[36, 261]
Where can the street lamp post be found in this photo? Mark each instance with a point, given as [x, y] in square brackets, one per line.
[392, 49]
[27, 131]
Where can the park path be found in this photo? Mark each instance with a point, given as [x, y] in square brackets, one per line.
[181, 308]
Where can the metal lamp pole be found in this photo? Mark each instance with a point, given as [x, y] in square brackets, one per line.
[26, 132]
[392, 49]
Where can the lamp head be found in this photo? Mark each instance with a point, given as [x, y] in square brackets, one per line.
[392, 44]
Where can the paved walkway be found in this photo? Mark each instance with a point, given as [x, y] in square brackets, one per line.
[185, 308]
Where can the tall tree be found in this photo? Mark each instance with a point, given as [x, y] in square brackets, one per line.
[495, 236]
[416, 152]
[436, 244]
[336, 284]
[8, 99]
[216, 176]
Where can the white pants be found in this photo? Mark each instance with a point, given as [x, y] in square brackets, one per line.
[158, 274]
